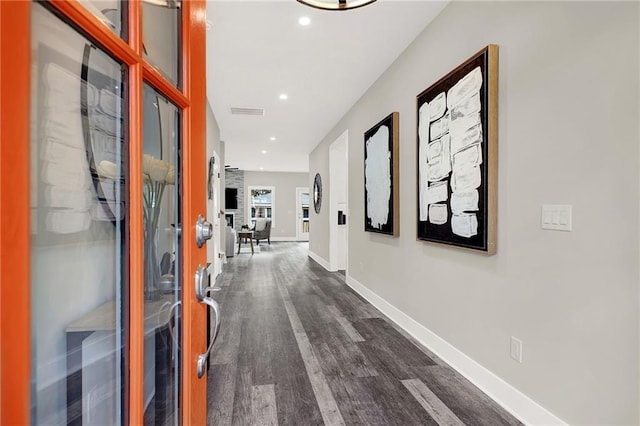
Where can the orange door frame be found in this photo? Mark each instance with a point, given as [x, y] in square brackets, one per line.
[15, 355]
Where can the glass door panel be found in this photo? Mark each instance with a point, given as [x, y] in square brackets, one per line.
[78, 229]
[112, 13]
[162, 258]
[161, 26]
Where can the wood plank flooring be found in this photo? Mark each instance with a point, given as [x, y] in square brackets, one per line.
[299, 347]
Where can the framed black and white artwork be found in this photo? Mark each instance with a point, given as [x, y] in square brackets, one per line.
[457, 144]
[381, 207]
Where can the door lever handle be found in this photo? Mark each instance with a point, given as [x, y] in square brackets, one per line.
[202, 358]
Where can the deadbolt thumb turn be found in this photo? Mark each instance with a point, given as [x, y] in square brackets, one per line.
[204, 231]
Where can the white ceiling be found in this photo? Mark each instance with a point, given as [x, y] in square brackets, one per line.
[257, 50]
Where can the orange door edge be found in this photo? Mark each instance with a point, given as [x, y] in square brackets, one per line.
[15, 355]
[194, 389]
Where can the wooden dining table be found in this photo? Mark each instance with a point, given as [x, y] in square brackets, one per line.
[244, 234]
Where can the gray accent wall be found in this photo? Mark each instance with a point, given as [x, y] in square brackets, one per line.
[235, 179]
[568, 134]
[285, 184]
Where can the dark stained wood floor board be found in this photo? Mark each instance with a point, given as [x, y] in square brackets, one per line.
[431, 403]
[242, 414]
[312, 312]
[346, 300]
[463, 398]
[296, 402]
[391, 397]
[299, 347]
[356, 403]
[233, 311]
[324, 397]
[263, 403]
[351, 362]
[322, 327]
[379, 331]
[222, 391]
[346, 325]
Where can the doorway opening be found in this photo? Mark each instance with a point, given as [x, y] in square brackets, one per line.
[338, 202]
[302, 214]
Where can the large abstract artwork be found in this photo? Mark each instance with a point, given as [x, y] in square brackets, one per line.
[457, 155]
[381, 177]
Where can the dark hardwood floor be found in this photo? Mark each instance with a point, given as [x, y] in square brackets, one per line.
[299, 347]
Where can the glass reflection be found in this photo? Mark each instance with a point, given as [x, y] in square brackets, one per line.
[78, 159]
[112, 13]
[162, 257]
[161, 36]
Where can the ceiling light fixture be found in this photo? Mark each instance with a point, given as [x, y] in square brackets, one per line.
[264, 151]
[336, 4]
[304, 21]
[284, 96]
[261, 168]
[272, 138]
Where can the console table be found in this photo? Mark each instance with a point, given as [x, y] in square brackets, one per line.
[103, 319]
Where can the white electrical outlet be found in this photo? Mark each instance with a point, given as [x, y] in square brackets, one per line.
[516, 349]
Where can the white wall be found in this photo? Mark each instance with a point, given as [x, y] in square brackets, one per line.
[319, 222]
[338, 200]
[284, 227]
[568, 133]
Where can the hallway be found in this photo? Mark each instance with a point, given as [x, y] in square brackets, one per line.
[299, 347]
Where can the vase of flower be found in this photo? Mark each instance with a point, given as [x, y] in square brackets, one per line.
[157, 174]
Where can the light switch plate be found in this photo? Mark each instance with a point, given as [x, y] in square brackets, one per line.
[556, 217]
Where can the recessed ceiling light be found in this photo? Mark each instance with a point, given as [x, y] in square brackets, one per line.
[272, 138]
[283, 96]
[261, 168]
[304, 21]
[264, 151]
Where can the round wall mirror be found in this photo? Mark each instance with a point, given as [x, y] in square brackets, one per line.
[317, 193]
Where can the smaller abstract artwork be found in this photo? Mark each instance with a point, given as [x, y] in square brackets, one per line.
[381, 196]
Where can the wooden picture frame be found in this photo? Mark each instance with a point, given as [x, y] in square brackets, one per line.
[381, 177]
[457, 156]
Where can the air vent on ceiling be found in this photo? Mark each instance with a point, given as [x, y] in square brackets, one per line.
[247, 111]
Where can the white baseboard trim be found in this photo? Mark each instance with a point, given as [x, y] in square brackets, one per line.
[320, 260]
[511, 399]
